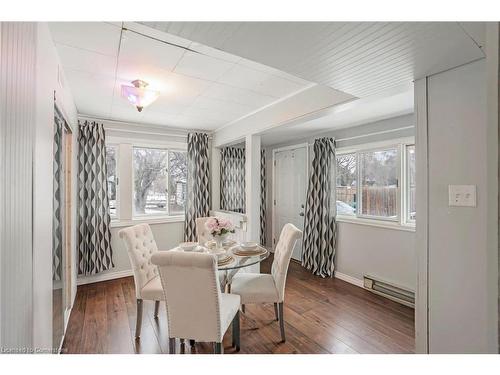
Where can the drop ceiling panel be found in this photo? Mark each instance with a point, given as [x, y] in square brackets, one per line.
[236, 95]
[100, 37]
[360, 58]
[146, 52]
[91, 62]
[92, 92]
[201, 66]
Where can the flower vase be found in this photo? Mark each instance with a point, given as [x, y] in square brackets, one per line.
[219, 239]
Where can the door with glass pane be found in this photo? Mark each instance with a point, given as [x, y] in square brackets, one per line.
[290, 188]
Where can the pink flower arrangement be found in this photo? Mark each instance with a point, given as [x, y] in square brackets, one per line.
[219, 227]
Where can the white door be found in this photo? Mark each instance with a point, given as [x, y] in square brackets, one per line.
[290, 188]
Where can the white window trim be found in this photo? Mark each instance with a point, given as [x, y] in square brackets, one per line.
[125, 211]
[400, 223]
[148, 220]
[406, 220]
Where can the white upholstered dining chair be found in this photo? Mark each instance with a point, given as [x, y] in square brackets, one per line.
[201, 231]
[196, 309]
[269, 288]
[141, 246]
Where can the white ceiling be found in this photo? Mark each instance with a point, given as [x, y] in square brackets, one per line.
[203, 90]
[359, 58]
[224, 79]
[395, 102]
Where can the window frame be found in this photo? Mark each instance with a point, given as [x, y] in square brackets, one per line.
[145, 215]
[116, 146]
[406, 196]
[125, 168]
[359, 190]
[379, 221]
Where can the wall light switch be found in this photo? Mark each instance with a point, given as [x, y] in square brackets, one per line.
[462, 195]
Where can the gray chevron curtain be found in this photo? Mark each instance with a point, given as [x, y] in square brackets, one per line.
[94, 238]
[198, 183]
[320, 234]
[232, 179]
[263, 201]
[57, 197]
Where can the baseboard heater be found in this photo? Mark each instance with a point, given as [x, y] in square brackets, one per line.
[389, 290]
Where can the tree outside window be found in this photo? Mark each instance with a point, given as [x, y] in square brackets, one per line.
[150, 181]
[112, 180]
[160, 179]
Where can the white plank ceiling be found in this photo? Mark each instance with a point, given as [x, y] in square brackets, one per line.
[204, 90]
[360, 58]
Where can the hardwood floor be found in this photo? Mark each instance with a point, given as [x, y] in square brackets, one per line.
[321, 316]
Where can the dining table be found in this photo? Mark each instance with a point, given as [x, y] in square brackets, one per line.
[231, 259]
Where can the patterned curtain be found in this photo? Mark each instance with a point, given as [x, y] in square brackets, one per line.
[232, 179]
[57, 198]
[263, 201]
[319, 240]
[94, 237]
[198, 183]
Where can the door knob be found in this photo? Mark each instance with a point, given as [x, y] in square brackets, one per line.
[301, 214]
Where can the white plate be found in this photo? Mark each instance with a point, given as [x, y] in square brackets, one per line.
[188, 246]
[249, 245]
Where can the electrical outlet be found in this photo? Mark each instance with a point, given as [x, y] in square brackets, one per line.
[462, 195]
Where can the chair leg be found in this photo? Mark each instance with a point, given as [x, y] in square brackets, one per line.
[243, 308]
[192, 343]
[171, 345]
[138, 323]
[218, 348]
[282, 321]
[236, 331]
[276, 311]
[157, 309]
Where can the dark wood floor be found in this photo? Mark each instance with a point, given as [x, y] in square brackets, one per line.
[321, 315]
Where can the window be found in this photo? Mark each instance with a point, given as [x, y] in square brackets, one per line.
[150, 181]
[410, 184]
[160, 178]
[379, 183]
[112, 178]
[369, 181]
[177, 177]
[346, 184]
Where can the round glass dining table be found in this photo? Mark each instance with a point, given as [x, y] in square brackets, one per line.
[230, 263]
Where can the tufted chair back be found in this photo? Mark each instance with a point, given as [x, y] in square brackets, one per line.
[141, 246]
[201, 231]
[282, 254]
[192, 293]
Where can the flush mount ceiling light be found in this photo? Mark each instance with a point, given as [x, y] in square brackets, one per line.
[138, 95]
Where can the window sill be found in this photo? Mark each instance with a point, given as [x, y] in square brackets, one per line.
[376, 223]
[148, 220]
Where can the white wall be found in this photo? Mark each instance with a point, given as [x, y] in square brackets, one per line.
[459, 295]
[17, 133]
[47, 66]
[361, 249]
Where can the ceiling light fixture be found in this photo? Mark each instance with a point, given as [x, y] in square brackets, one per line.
[138, 95]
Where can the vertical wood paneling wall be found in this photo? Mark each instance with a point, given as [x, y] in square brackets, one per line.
[17, 106]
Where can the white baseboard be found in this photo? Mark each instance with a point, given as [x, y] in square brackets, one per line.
[82, 280]
[349, 279]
